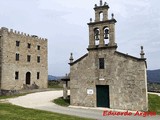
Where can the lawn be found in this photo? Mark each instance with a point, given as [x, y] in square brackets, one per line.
[154, 103]
[60, 101]
[11, 112]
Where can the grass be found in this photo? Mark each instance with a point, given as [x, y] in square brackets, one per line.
[60, 101]
[12, 112]
[154, 103]
[54, 84]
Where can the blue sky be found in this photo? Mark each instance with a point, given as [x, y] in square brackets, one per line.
[64, 24]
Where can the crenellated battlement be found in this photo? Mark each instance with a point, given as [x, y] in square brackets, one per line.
[22, 34]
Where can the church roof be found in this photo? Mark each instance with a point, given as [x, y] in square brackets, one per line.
[79, 59]
[126, 55]
[116, 52]
[132, 57]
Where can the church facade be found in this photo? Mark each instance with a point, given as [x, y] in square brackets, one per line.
[105, 77]
[23, 60]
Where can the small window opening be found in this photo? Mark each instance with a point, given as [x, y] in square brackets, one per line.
[101, 63]
[17, 56]
[16, 75]
[17, 43]
[38, 75]
[28, 58]
[29, 45]
[38, 47]
[38, 59]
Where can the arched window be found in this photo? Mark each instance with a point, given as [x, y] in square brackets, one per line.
[96, 36]
[101, 16]
[106, 33]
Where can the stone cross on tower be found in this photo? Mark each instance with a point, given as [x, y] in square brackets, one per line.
[142, 52]
[101, 2]
[71, 58]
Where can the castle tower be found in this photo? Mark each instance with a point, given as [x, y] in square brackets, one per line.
[23, 60]
[102, 30]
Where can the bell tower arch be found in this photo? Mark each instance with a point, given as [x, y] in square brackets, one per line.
[102, 30]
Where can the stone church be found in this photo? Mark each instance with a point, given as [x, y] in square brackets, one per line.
[105, 77]
[23, 60]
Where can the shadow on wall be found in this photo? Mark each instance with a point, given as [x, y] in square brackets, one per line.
[8, 92]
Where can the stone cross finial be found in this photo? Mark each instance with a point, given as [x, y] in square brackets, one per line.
[142, 52]
[90, 19]
[101, 2]
[71, 58]
[112, 16]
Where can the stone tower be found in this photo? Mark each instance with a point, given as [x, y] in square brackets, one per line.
[102, 30]
[23, 60]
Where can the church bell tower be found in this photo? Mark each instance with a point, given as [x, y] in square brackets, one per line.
[102, 30]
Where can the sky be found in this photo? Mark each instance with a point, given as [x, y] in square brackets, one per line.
[64, 24]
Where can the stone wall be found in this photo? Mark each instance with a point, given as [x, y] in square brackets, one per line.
[0, 57]
[10, 65]
[125, 75]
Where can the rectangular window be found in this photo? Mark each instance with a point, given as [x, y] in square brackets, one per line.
[38, 47]
[29, 45]
[17, 43]
[16, 75]
[101, 63]
[38, 75]
[17, 56]
[38, 59]
[28, 58]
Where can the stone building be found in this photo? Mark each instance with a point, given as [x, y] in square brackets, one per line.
[105, 77]
[23, 60]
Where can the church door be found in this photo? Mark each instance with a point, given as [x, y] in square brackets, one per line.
[28, 78]
[102, 96]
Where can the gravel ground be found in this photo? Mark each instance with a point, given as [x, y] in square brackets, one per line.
[34, 100]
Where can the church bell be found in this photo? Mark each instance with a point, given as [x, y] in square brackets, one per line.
[106, 33]
[96, 34]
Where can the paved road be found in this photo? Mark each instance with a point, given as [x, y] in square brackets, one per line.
[42, 101]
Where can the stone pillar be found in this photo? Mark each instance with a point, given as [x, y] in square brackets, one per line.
[101, 42]
[91, 38]
[65, 91]
[112, 35]
[105, 15]
[97, 16]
